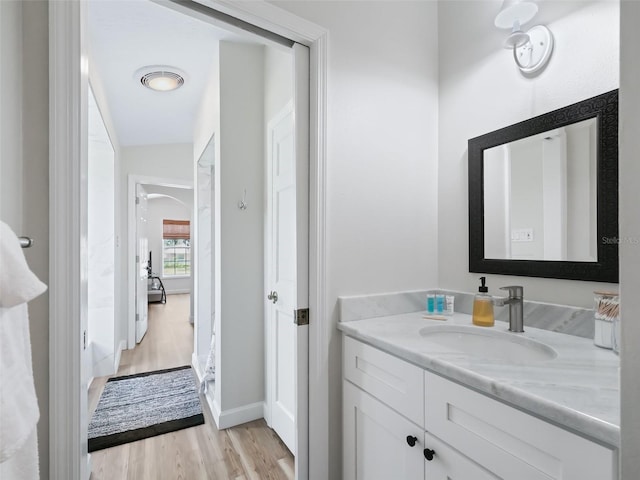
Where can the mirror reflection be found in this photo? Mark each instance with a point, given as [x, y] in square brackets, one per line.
[540, 196]
[543, 194]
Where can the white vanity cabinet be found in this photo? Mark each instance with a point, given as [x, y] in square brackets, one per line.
[395, 414]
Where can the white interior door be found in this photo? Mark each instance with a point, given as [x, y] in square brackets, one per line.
[282, 295]
[142, 263]
[287, 345]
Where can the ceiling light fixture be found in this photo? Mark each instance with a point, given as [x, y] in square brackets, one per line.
[160, 78]
[531, 49]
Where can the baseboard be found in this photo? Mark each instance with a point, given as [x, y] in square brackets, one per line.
[104, 367]
[88, 357]
[233, 416]
[214, 408]
[116, 359]
[240, 415]
[266, 414]
[196, 367]
[178, 291]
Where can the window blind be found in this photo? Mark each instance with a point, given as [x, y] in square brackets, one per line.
[176, 229]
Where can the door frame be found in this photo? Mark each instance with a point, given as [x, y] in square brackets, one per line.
[132, 181]
[68, 76]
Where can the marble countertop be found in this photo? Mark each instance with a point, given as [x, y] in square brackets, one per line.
[578, 390]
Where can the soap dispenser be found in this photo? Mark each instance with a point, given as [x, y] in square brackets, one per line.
[483, 306]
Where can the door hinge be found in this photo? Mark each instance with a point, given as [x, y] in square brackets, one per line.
[137, 317]
[84, 340]
[137, 258]
[301, 316]
[137, 200]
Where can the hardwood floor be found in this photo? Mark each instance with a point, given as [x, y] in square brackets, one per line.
[249, 451]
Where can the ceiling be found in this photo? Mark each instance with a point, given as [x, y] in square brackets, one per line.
[127, 35]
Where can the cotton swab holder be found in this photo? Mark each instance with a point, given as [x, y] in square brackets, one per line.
[607, 311]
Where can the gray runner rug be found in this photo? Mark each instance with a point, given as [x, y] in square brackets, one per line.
[144, 405]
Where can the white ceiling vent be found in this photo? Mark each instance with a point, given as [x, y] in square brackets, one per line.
[160, 79]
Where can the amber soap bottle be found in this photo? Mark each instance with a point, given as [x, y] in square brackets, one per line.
[483, 306]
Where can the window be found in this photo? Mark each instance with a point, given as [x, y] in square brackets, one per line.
[176, 248]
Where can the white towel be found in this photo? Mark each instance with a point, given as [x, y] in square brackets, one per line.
[19, 412]
[210, 368]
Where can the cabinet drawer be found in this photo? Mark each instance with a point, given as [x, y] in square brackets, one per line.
[508, 442]
[391, 380]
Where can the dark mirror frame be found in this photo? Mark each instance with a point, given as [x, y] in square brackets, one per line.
[603, 107]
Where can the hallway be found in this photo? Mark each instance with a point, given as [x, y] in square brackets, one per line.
[249, 451]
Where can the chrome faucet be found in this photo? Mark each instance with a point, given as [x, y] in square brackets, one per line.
[515, 302]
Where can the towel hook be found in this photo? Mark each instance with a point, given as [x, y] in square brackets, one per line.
[242, 204]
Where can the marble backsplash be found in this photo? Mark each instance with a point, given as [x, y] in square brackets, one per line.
[557, 318]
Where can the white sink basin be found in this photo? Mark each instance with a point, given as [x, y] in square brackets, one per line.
[488, 344]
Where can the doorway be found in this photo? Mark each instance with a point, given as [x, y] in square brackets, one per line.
[66, 158]
[147, 236]
[234, 190]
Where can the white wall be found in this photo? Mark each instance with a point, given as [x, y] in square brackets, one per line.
[239, 253]
[630, 232]
[278, 81]
[11, 115]
[582, 191]
[100, 245]
[208, 117]
[497, 190]
[24, 167]
[172, 161]
[233, 112]
[382, 201]
[159, 209]
[481, 90]
[526, 198]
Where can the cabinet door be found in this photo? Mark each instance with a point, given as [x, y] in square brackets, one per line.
[375, 440]
[449, 464]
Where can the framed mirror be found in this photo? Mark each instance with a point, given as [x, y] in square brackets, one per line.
[543, 195]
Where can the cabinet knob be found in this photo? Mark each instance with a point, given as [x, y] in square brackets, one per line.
[411, 440]
[429, 454]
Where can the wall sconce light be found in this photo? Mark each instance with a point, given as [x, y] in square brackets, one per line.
[531, 49]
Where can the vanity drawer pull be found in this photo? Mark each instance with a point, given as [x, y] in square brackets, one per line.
[429, 454]
[411, 440]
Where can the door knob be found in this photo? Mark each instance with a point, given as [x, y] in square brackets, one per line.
[429, 454]
[273, 296]
[411, 440]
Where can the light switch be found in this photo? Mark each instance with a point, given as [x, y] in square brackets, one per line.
[522, 235]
